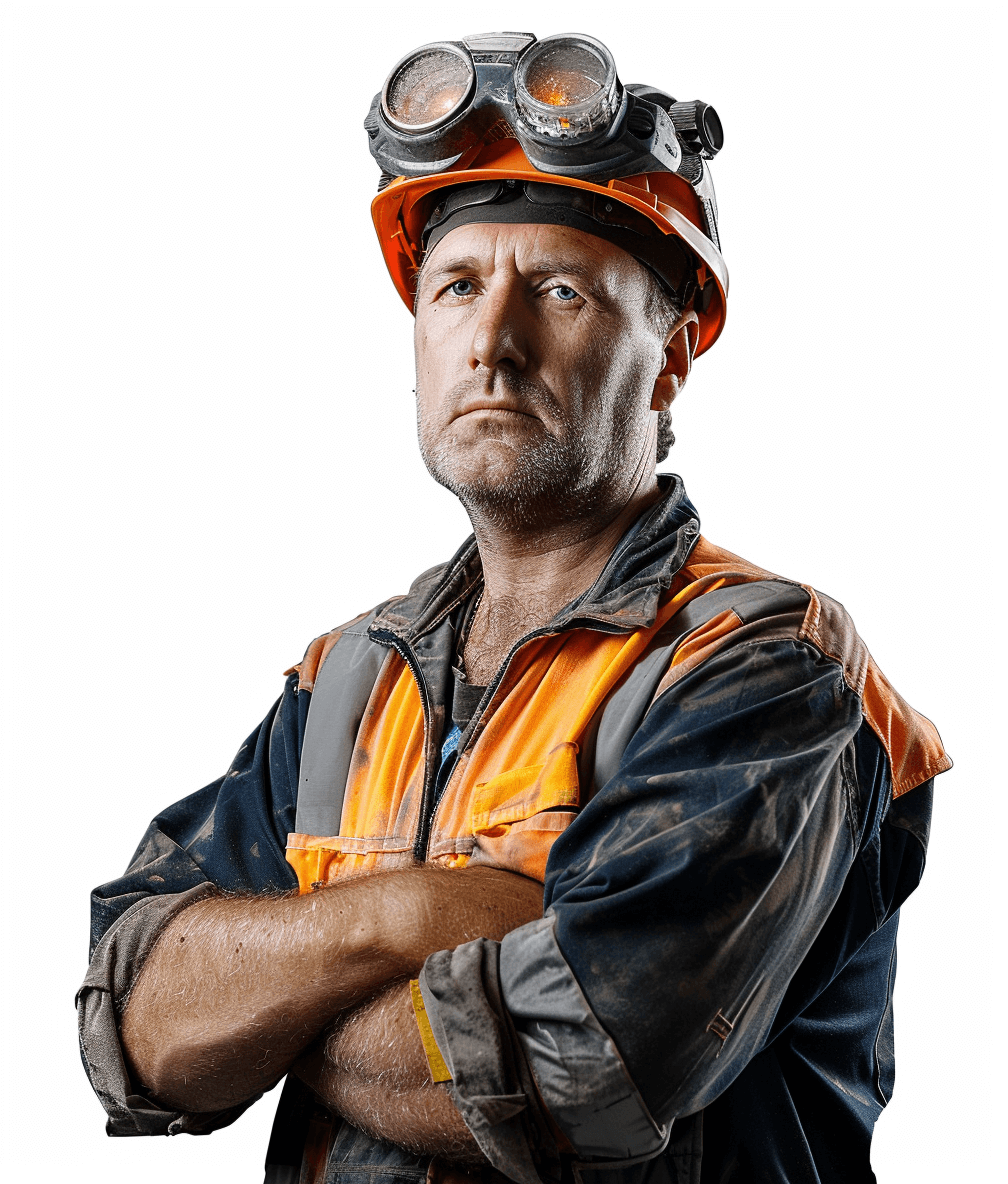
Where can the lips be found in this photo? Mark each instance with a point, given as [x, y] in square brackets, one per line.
[492, 406]
[509, 394]
[500, 394]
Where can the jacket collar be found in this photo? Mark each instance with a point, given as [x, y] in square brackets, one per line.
[624, 597]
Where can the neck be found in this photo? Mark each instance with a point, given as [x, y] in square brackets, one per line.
[530, 576]
[560, 561]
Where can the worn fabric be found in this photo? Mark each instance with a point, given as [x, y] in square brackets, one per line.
[230, 836]
[690, 929]
[727, 804]
[100, 1000]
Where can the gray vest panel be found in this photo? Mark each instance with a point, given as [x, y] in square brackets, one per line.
[342, 689]
[628, 704]
[345, 681]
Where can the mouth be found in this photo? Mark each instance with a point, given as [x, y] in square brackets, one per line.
[494, 410]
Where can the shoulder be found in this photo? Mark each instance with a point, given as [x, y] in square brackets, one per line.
[424, 586]
[315, 655]
[760, 607]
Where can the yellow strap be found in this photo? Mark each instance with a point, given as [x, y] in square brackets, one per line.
[438, 1068]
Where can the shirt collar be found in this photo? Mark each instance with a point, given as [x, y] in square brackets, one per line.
[625, 596]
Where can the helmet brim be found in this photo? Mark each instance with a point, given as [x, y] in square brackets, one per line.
[401, 210]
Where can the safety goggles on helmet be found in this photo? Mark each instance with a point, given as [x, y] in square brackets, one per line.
[502, 127]
[559, 97]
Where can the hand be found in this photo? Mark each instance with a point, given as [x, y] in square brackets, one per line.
[371, 1068]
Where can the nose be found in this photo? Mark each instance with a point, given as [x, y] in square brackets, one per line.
[499, 336]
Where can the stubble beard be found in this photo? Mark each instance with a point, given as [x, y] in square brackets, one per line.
[552, 482]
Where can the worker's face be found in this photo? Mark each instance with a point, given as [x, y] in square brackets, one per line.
[536, 371]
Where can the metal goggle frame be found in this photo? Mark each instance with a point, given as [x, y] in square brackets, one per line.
[560, 97]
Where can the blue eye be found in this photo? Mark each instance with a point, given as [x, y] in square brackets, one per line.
[461, 288]
[565, 293]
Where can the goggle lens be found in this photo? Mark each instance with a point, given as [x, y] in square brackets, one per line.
[565, 76]
[427, 88]
[566, 87]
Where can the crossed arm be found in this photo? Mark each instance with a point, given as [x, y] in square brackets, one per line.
[239, 991]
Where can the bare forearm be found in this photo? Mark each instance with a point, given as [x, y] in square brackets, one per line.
[236, 989]
[371, 1068]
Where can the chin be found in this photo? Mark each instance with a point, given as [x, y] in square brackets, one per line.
[497, 477]
[483, 459]
[515, 489]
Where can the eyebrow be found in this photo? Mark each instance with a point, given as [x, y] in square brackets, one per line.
[568, 264]
[438, 273]
[464, 263]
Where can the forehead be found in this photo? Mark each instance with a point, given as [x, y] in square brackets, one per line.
[532, 249]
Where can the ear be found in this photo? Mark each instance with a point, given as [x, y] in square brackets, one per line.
[680, 345]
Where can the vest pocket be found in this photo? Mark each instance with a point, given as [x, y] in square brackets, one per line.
[520, 793]
[322, 860]
[517, 815]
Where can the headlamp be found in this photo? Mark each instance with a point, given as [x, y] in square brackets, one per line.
[560, 98]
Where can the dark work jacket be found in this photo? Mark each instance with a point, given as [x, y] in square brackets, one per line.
[708, 996]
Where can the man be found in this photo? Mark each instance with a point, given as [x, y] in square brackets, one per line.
[600, 832]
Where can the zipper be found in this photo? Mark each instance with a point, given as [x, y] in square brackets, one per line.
[392, 641]
[430, 809]
[387, 638]
[430, 799]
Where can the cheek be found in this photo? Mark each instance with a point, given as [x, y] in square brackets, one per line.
[437, 342]
[425, 354]
[421, 345]
[617, 378]
[433, 376]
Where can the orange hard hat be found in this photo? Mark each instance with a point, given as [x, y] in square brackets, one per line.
[461, 114]
[401, 211]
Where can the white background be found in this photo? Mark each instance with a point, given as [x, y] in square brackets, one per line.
[209, 448]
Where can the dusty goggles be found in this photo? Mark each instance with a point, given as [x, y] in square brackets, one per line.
[560, 98]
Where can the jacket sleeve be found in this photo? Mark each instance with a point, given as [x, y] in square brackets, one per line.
[230, 836]
[678, 906]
